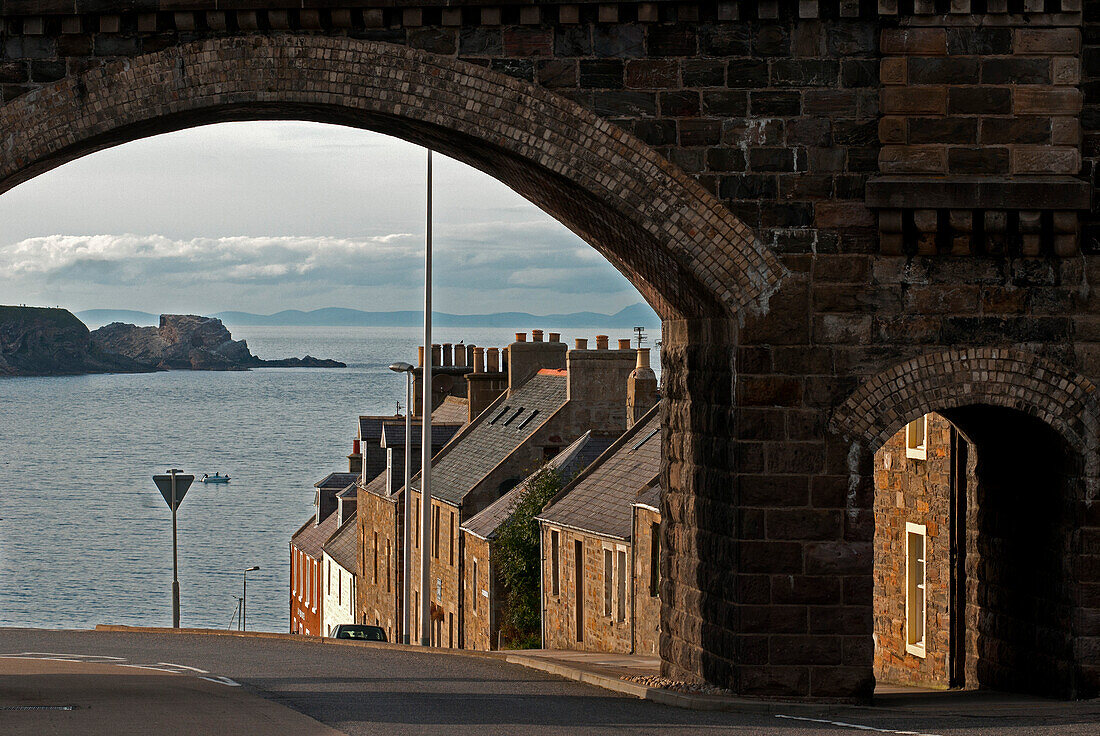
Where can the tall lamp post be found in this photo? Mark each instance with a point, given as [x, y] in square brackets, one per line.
[244, 597]
[406, 613]
[426, 429]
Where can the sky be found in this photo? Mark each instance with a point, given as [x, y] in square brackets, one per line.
[266, 216]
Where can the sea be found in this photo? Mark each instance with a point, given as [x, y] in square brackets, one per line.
[85, 536]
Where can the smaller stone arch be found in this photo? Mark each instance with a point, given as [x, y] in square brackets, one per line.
[1003, 377]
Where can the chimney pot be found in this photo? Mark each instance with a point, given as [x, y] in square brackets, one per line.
[505, 354]
[601, 342]
[581, 343]
[448, 351]
[521, 337]
[643, 358]
[555, 337]
[436, 348]
[624, 344]
[479, 359]
[536, 335]
[460, 355]
[420, 356]
[492, 360]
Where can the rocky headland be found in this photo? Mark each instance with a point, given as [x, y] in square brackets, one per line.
[191, 342]
[38, 341]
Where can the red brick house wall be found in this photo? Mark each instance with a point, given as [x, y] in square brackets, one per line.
[915, 491]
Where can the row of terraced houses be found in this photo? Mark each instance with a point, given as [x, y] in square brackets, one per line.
[499, 416]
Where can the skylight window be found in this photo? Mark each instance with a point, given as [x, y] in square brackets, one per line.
[527, 421]
[645, 439]
[514, 416]
[501, 413]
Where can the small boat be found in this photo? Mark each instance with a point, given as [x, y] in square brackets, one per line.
[215, 478]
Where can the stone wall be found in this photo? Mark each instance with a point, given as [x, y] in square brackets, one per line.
[918, 492]
[647, 598]
[479, 624]
[446, 560]
[601, 632]
[378, 600]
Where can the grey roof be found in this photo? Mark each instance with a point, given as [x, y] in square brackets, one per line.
[570, 461]
[338, 481]
[650, 495]
[377, 485]
[351, 491]
[599, 499]
[495, 435]
[341, 546]
[453, 410]
[393, 433]
[370, 427]
[312, 537]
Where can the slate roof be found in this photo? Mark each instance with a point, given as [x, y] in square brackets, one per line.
[350, 492]
[650, 496]
[453, 410]
[377, 485]
[341, 546]
[599, 499]
[370, 427]
[393, 433]
[494, 435]
[311, 537]
[337, 481]
[570, 461]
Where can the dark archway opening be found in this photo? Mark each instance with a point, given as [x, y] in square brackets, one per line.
[974, 549]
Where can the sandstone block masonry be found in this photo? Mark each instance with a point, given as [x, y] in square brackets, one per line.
[731, 160]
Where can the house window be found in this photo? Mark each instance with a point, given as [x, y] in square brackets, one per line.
[916, 548]
[416, 526]
[654, 560]
[555, 564]
[608, 581]
[451, 539]
[388, 558]
[476, 596]
[435, 532]
[621, 607]
[330, 576]
[375, 579]
[339, 586]
[916, 433]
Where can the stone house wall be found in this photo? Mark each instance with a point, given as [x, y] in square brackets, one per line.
[918, 492]
[647, 597]
[479, 622]
[445, 563]
[378, 600]
[600, 632]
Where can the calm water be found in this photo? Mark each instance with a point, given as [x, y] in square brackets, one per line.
[85, 537]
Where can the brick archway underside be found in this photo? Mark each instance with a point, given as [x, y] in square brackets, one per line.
[1002, 377]
[684, 250]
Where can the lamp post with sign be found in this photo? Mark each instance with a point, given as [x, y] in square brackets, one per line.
[173, 486]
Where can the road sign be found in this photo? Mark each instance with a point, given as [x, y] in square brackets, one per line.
[164, 483]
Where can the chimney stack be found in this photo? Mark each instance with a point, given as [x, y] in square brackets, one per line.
[596, 381]
[485, 384]
[525, 359]
[641, 389]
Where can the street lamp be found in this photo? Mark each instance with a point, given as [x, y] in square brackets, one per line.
[407, 557]
[244, 598]
[426, 430]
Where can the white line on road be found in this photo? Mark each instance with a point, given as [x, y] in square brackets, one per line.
[221, 680]
[151, 667]
[858, 726]
[184, 667]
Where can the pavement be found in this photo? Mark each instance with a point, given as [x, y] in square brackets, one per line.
[360, 688]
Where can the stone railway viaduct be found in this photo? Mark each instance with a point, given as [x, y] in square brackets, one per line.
[847, 212]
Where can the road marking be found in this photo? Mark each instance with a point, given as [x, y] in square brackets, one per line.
[60, 657]
[221, 680]
[184, 667]
[857, 726]
[150, 667]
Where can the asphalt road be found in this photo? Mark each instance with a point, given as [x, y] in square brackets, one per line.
[359, 690]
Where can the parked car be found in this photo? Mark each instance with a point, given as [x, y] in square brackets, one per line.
[363, 632]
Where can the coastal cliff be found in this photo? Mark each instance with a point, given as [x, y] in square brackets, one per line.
[38, 341]
[191, 342]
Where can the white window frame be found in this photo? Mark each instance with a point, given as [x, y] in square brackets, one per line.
[917, 450]
[914, 568]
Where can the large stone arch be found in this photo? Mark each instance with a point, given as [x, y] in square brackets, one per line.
[684, 250]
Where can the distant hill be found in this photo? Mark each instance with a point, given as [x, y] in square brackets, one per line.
[638, 314]
[100, 317]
